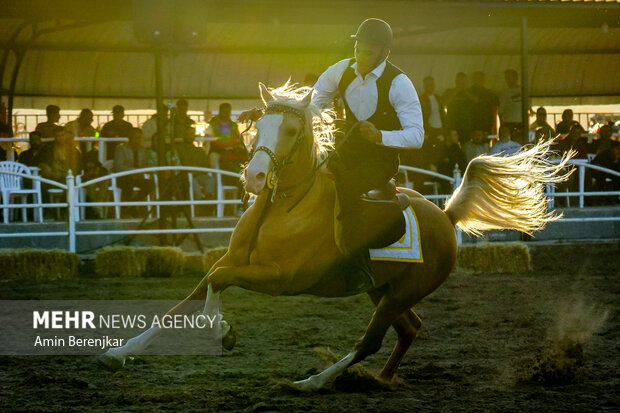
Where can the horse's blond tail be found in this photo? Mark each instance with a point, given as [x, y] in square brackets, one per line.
[506, 192]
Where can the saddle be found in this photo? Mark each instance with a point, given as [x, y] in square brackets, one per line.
[385, 223]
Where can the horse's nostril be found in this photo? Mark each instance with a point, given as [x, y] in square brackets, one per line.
[260, 176]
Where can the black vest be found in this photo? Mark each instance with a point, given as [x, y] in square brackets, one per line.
[356, 149]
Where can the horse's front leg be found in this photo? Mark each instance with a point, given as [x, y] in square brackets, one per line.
[267, 279]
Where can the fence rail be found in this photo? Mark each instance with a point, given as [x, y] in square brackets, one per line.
[74, 203]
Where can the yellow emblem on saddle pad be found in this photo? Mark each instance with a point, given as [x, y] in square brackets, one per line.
[406, 249]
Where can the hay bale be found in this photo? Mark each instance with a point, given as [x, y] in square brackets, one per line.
[509, 257]
[164, 262]
[212, 256]
[139, 262]
[32, 264]
[194, 263]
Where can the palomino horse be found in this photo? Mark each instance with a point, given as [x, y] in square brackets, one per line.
[285, 241]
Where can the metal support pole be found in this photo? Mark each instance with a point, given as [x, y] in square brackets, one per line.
[457, 182]
[525, 87]
[159, 102]
[71, 209]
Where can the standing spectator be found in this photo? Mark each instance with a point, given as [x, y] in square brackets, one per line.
[567, 122]
[228, 152]
[149, 128]
[129, 156]
[479, 145]
[433, 110]
[30, 156]
[459, 105]
[58, 157]
[510, 104]
[191, 155]
[450, 157]
[50, 128]
[485, 104]
[433, 116]
[505, 146]
[116, 128]
[541, 122]
[182, 121]
[81, 127]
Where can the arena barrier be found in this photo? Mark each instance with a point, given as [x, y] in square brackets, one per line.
[74, 203]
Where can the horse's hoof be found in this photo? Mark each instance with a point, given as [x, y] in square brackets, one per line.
[229, 339]
[110, 362]
[308, 385]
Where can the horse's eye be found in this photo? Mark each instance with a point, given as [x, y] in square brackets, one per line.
[291, 131]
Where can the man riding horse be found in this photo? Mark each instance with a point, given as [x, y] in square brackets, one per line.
[383, 116]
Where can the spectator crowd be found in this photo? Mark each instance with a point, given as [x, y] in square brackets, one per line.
[459, 124]
[144, 148]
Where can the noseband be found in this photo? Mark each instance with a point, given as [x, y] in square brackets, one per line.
[272, 177]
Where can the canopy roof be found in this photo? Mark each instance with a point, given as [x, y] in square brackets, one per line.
[87, 55]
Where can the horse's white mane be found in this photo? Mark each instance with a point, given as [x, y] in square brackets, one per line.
[322, 120]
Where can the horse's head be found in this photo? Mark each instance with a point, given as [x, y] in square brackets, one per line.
[282, 130]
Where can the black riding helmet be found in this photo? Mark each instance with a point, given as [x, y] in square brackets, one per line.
[374, 31]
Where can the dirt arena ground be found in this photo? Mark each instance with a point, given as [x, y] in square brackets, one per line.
[545, 341]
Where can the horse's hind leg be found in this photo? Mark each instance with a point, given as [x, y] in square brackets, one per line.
[407, 327]
[390, 308]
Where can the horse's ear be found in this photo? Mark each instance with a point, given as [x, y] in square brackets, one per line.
[264, 93]
[308, 98]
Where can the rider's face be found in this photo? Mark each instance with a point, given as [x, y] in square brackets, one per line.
[369, 56]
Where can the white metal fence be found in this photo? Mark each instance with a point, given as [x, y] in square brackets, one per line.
[74, 204]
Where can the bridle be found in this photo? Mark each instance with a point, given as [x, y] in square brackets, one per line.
[272, 177]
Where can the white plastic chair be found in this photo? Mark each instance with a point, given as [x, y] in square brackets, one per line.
[12, 186]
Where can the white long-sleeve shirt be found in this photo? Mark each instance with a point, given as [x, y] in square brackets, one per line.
[361, 96]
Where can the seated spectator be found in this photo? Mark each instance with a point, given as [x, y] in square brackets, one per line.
[81, 127]
[505, 146]
[50, 128]
[610, 159]
[578, 142]
[95, 192]
[479, 145]
[182, 121]
[604, 141]
[566, 124]
[450, 157]
[30, 156]
[5, 132]
[127, 157]
[542, 134]
[58, 157]
[541, 122]
[116, 128]
[191, 155]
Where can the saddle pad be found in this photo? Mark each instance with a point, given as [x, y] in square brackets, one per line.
[408, 248]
